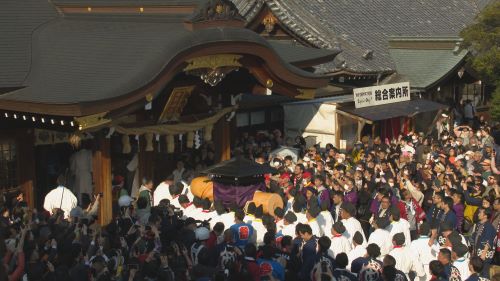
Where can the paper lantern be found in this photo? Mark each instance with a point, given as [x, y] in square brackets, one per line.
[149, 141]
[208, 132]
[126, 144]
[170, 144]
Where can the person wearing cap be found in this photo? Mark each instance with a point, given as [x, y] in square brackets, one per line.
[339, 243]
[350, 222]
[200, 255]
[422, 251]
[405, 260]
[460, 259]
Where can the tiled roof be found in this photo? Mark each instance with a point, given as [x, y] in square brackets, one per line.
[362, 27]
[424, 68]
[18, 21]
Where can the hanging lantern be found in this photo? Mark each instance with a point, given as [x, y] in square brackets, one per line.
[170, 144]
[149, 141]
[208, 132]
[190, 140]
[126, 144]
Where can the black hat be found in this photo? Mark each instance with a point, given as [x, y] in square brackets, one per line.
[279, 212]
[313, 211]
[290, 217]
[205, 203]
[454, 238]
[446, 227]
[349, 208]
[339, 227]
[460, 249]
[183, 199]
[259, 211]
[399, 239]
[382, 222]
[251, 208]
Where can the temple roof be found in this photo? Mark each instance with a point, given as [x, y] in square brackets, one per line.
[361, 28]
[81, 57]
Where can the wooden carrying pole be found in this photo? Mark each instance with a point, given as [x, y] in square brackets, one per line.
[102, 179]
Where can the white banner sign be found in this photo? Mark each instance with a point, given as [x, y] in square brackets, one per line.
[384, 94]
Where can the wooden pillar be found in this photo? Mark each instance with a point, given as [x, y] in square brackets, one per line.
[222, 140]
[361, 124]
[101, 172]
[25, 140]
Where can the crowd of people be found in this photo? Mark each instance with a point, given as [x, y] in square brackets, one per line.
[413, 208]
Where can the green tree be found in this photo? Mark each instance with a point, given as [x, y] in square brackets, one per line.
[483, 39]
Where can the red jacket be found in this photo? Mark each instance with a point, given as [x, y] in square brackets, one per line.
[252, 267]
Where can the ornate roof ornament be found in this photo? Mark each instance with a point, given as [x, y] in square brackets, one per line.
[217, 13]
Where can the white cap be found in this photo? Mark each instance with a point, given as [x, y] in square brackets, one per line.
[125, 201]
[202, 233]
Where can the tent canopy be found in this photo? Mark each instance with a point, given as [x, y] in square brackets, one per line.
[284, 151]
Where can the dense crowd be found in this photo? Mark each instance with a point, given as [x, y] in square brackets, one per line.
[413, 208]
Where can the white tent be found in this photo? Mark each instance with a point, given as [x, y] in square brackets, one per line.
[315, 120]
[283, 151]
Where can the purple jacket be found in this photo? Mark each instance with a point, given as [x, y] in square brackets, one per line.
[376, 204]
[459, 212]
[324, 195]
[351, 197]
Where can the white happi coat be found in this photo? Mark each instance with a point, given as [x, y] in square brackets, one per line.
[325, 221]
[401, 226]
[340, 244]
[357, 252]
[462, 264]
[406, 262]
[382, 238]
[352, 225]
[161, 192]
[424, 253]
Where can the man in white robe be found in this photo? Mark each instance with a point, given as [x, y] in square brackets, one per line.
[381, 236]
[405, 258]
[351, 224]
[325, 220]
[289, 224]
[461, 260]
[81, 169]
[162, 192]
[422, 251]
[399, 225]
[311, 214]
[60, 198]
[340, 243]
[358, 249]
